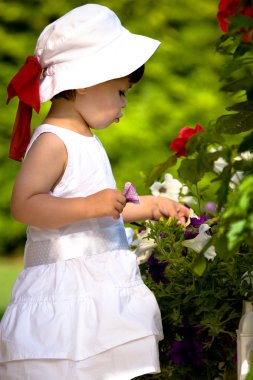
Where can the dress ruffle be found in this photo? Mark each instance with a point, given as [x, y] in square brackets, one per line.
[123, 362]
[61, 310]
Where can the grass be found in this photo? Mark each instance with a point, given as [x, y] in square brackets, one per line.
[9, 270]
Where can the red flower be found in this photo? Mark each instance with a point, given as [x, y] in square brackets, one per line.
[229, 8]
[179, 143]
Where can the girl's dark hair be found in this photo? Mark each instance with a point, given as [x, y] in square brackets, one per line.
[134, 77]
[67, 94]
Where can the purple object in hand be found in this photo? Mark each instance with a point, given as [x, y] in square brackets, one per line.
[130, 193]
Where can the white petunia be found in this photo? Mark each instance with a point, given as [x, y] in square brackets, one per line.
[199, 242]
[238, 176]
[171, 188]
[184, 198]
[247, 155]
[143, 246]
[219, 165]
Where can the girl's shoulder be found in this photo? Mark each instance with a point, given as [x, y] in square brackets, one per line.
[72, 142]
[63, 133]
[66, 135]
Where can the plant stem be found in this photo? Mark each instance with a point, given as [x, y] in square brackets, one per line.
[198, 198]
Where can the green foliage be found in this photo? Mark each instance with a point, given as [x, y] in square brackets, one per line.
[235, 123]
[158, 170]
[238, 216]
[9, 271]
[201, 305]
[250, 374]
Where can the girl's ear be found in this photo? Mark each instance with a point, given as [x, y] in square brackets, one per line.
[81, 91]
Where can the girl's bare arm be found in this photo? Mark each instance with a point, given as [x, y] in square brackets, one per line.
[40, 172]
[153, 208]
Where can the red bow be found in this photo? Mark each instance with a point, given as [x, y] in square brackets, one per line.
[25, 85]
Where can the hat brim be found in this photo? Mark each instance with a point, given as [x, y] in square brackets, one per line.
[118, 59]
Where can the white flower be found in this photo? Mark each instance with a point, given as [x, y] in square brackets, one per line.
[236, 179]
[184, 198]
[171, 188]
[248, 277]
[238, 176]
[219, 165]
[198, 243]
[143, 246]
[247, 155]
[210, 253]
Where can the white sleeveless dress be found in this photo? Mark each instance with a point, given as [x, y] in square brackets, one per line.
[79, 309]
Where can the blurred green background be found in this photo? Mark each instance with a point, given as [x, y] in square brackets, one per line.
[180, 87]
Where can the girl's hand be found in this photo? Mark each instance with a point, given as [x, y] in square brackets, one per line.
[108, 202]
[154, 208]
[164, 208]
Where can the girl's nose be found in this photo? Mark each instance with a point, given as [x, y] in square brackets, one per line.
[123, 101]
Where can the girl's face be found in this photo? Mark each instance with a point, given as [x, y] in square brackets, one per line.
[102, 104]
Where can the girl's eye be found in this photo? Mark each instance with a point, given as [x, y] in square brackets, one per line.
[122, 93]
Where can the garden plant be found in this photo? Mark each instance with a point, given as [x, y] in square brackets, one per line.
[202, 271]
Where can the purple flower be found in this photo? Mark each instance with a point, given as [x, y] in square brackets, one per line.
[234, 359]
[210, 206]
[188, 350]
[130, 193]
[192, 230]
[156, 269]
[184, 251]
[195, 222]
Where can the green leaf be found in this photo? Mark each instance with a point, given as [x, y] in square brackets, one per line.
[227, 44]
[221, 247]
[242, 106]
[232, 66]
[189, 171]
[244, 83]
[194, 143]
[199, 265]
[247, 143]
[222, 192]
[235, 123]
[235, 234]
[250, 374]
[240, 21]
[244, 165]
[159, 169]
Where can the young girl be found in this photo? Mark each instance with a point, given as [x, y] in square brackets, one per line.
[79, 309]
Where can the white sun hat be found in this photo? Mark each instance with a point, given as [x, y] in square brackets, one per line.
[87, 46]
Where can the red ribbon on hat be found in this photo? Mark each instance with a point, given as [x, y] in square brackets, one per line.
[24, 85]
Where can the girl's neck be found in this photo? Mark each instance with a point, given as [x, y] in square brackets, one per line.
[63, 114]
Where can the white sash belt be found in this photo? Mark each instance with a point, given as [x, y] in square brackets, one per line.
[75, 245]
